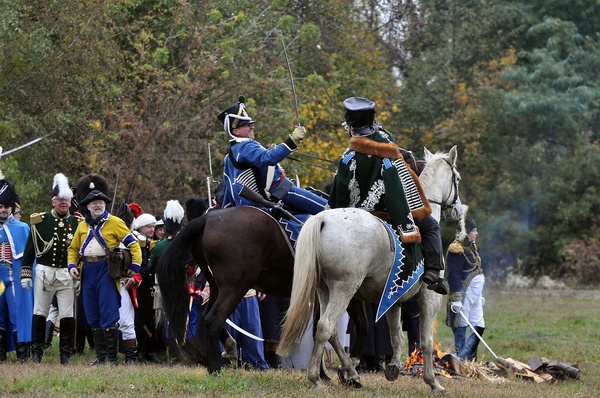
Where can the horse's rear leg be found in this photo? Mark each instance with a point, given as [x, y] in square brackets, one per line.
[215, 322]
[392, 370]
[331, 311]
[358, 314]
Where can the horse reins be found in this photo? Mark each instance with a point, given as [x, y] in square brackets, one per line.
[455, 180]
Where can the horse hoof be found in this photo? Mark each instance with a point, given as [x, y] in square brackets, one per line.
[349, 382]
[392, 372]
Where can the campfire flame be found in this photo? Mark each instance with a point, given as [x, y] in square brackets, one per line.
[414, 363]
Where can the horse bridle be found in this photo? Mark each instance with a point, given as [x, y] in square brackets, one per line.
[455, 180]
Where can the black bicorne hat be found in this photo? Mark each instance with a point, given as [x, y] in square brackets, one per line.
[360, 112]
[469, 224]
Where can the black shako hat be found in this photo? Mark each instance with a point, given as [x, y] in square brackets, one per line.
[235, 116]
[359, 112]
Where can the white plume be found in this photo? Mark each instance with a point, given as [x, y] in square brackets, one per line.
[174, 211]
[64, 191]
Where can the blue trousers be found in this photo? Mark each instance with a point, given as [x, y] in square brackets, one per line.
[101, 299]
[8, 303]
[304, 201]
[247, 316]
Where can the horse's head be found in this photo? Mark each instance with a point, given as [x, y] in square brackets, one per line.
[440, 179]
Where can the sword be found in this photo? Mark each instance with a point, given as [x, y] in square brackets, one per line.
[242, 331]
[289, 68]
[23, 146]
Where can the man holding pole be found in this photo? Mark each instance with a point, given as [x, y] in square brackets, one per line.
[466, 281]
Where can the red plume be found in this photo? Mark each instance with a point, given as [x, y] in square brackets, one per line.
[136, 209]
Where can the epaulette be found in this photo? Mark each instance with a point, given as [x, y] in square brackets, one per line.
[36, 218]
[456, 247]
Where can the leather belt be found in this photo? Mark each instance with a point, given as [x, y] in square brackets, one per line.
[92, 259]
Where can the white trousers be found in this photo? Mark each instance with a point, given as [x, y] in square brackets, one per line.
[126, 313]
[48, 282]
[473, 303]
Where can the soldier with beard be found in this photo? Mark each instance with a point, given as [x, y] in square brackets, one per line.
[87, 258]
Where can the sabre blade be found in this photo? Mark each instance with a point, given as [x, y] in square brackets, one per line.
[289, 68]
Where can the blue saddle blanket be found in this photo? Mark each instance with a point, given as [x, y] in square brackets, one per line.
[403, 275]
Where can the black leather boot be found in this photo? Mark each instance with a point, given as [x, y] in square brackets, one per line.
[38, 334]
[22, 349]
[67, 328]
[99, 346]
[111, 334]
[2, 345]
[433, 267]
[131, 351]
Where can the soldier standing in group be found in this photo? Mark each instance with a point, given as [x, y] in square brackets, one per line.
[16, 321]
[98, 231]
[50, 236]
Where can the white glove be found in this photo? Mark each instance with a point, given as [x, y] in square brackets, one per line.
[26, 283]
[482, 301]
[298, 135]
[456, 306]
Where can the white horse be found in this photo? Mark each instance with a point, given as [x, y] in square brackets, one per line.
[345, 253]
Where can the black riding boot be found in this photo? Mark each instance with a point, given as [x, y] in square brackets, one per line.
[38, 333]
[433, 267]
[433, 251]
[2, 345]
[67, 328]
[99, 345]
[131, 351]
[111, 334]
[22, 349]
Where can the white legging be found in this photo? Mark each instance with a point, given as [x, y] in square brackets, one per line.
[126, 313]
[473, 302]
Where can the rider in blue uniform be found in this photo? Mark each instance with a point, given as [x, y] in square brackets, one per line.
[250, 164]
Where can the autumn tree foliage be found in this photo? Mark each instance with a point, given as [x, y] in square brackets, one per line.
[131, 89]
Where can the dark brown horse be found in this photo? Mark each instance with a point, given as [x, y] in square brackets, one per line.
[237, 249]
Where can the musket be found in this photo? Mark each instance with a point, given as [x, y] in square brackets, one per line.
[328, 96]
[116, 186]
[255, 197]
[289, 68]
[315, 157]
[209, 179]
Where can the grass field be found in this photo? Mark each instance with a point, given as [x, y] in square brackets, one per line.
[561, 326]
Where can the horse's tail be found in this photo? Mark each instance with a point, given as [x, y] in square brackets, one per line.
[172, 278]
[304, 288]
